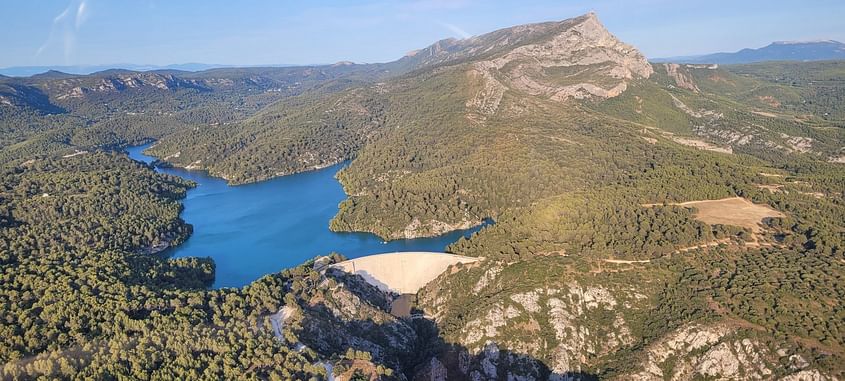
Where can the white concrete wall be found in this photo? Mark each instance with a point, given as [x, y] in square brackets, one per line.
[404, 272]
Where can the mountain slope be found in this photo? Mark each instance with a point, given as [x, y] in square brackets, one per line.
[120, 107]
[545, 59]
[738, 109]
[776, 51]
[572, 59]
[564, 318]
[551, 98]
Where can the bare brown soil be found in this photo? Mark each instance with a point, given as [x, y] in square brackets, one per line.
[735, 211]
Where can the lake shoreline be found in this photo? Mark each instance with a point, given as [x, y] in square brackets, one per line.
[254, 229]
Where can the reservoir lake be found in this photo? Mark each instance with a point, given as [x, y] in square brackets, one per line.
[262, 228]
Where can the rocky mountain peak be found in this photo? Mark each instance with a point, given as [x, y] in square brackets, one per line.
[576, 58]
[502, 40]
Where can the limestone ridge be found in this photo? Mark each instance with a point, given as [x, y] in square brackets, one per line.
[117, 80]
[575, 58]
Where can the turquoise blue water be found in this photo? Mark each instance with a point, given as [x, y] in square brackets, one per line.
[257, 229]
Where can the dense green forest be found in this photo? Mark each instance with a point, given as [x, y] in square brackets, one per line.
[83, 297]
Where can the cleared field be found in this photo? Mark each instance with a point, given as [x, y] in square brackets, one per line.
[735, 211]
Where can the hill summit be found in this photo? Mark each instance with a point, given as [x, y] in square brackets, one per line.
[574, 58]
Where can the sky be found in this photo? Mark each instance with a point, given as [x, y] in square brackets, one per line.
[256, 32]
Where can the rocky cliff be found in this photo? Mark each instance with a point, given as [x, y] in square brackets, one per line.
[575, 58]
[568, 324]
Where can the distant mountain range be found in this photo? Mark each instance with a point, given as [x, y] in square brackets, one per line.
[26, 71]
[776, 51]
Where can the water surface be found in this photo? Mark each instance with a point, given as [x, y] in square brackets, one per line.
[261, 228]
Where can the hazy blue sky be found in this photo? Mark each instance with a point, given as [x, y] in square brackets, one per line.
[75, 32]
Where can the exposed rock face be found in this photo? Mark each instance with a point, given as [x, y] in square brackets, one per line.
[710, 115]
[79, 87]
[504, 74]
[799, 143]
[432, 371]
[533, 333]
[576, 58]
[719, 351]
[716, 127]
[681, 77]
[418, 229]
[575, 339]
[564, 330]
[349, 313]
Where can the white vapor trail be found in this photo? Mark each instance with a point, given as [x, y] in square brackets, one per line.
[65, 27]
[456, 30]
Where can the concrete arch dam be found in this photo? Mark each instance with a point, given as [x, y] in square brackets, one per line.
[404, 272]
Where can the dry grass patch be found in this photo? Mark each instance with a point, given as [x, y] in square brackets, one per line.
[735, 211]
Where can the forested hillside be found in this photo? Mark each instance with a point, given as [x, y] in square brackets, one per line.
[56, 112]
[651, 221]
[85, 295]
